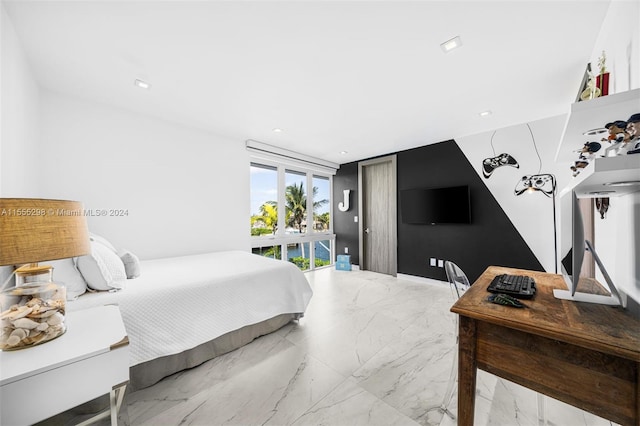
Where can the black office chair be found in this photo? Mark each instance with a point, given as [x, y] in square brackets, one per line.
[459, 283]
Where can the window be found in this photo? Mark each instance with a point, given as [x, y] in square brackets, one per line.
[268, 251]
[299, 254]
[323, 250]
[302, 231]
[264, 196]
[321, 215]
[295, 202]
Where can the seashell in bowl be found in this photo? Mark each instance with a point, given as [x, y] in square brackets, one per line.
[31, 314]
[55, 319]
[25, 323]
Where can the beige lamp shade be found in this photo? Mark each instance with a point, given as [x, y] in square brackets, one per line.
[33, 230]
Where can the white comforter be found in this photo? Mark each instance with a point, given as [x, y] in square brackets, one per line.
[179, 303]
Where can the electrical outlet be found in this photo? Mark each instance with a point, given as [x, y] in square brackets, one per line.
[440, 263]
[432, 261]
[355, 219]
[346, 250]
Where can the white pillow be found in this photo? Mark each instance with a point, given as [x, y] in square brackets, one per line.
[131, 263]
[103, 241]
[66, 273]
[102, 269]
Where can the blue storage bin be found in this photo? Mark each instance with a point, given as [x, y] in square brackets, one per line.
[344, 258]
[343, 266]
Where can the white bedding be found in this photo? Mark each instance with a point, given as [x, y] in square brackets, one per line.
[179, 303]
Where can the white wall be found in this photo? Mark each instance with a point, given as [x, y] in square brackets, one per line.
[619, 38]
[19, 100]
[185, 190]
[617, 237]
[617, 242]
[531, 214]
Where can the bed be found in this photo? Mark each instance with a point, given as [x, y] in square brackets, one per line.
[183, 311]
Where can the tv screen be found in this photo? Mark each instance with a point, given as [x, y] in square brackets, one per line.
[435, 205]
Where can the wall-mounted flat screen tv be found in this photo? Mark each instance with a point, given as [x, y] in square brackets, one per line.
[430, 206]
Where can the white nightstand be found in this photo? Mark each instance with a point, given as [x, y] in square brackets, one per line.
[91, 359]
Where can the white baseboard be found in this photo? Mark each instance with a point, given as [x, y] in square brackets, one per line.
[422, 280]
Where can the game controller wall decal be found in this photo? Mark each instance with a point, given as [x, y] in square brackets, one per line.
[545, 183]
[541, 182]
[492, 163]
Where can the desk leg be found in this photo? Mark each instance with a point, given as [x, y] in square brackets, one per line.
[115, 401]
[638, 395]
[467, 367]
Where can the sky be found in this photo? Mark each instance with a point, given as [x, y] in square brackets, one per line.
[264, 188]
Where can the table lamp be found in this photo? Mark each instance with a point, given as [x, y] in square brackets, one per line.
[34, 230]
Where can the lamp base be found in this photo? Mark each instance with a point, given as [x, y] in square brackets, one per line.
[31, 315]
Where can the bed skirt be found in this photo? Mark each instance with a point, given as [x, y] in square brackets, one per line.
[149, 373]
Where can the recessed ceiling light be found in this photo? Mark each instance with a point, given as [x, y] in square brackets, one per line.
[277, 130]
[485, 113]
[344, 152]
[449, 45]
[142, 84]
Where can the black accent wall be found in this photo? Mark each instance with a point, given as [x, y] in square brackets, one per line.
[490, 238]
[343, 224]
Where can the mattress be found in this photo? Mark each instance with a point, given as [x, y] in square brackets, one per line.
[180, 303]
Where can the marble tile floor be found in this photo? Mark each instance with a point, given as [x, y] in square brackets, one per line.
[371, 350]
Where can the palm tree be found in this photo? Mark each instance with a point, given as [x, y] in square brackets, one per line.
[296, 207]
[268, 216]
[296, 204]
[323, 219]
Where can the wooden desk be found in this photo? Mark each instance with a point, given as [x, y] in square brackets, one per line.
[583, 354]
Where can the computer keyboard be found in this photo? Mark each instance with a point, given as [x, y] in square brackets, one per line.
[519, 286]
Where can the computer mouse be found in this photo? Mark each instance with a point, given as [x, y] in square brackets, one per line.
[505, 299]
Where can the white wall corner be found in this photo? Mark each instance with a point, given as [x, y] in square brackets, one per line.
[19, 117]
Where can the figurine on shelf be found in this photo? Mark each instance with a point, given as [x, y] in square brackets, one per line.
[617, 136]
[602, 205]
[617, 131]
[633, 129]
[587, 153]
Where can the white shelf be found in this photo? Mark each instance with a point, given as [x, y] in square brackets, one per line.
[593, 114]
[593, 181]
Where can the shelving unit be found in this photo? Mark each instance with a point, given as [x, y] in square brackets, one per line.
[594, 114]
[597, 178]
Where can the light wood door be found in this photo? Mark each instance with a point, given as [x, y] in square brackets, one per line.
[378, 211]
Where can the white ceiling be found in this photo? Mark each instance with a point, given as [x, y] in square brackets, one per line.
[364, 77]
